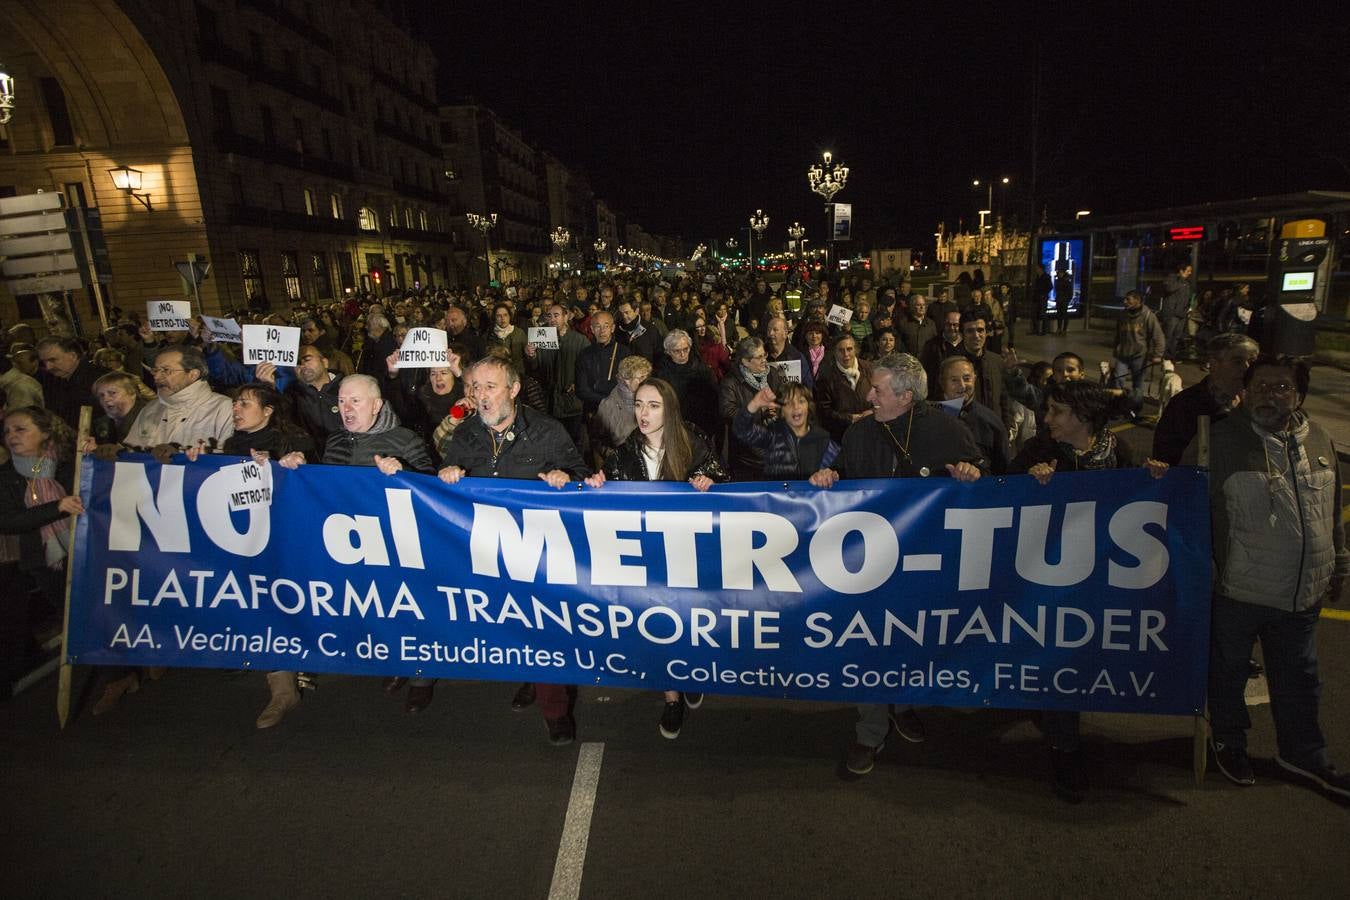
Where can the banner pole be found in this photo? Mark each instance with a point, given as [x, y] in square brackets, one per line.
[64, 678]
[1200, 737]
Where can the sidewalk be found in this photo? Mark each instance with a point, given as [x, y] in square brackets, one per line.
[1326, 402]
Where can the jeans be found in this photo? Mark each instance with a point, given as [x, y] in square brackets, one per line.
[1289, 650]
[1133, 367]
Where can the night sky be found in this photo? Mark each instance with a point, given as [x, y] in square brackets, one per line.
[689, 117]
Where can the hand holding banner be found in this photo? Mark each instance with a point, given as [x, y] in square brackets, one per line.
[276, 344]
[790, 369]
[839, 315]
[225, 331]
[168, 315]
[423, 348]
[544, 337]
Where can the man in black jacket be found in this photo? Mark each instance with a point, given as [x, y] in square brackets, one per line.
[67, 378]
[903, 438]
[505, 440]
[1218, 394]
[598, 364]
[315, 394]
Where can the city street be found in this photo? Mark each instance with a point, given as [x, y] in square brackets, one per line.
[175, 793]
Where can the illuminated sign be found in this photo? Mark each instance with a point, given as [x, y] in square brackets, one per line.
[1186, 233]
[1298, 281]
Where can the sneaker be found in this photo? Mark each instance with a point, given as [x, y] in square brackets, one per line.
[861, 758]
[1070, 774]
[909, 725]
[1234, 764]
[1328, 777]
[693, 700]
[561, 731]
[524, 697]
[672, 718]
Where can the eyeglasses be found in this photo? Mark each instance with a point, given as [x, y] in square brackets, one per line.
[165, 370]
[1271, 387]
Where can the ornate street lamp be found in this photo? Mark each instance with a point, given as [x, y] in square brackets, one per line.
[827, 178]
[6, 96]
[483, 224]
[758, 223]
[560, 237]
[128, 181]
[796, 232]
[599, 246]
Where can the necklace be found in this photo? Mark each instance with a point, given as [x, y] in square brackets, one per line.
[903, 448]
[498, 443]
[32, 479]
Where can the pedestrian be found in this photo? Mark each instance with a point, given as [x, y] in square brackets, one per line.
[664, 447]
[1280, 555]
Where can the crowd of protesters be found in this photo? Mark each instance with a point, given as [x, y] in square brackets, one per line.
[701, 381]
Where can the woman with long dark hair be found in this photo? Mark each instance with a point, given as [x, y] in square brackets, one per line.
[663, 447]
[35, 499]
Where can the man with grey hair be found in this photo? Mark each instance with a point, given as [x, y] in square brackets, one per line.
[684, 370]
[508, 440]
[904, 437]
[378, 345]
[187, 413]
[1216, 395]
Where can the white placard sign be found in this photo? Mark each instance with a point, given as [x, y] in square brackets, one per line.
[168, 315]
[247, 485]
[791, 369]
[225, 331]
[276, 344]
[545, 337]
[839, 315]
[423, 348]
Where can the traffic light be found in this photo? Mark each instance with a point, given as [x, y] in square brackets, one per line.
[376, 275]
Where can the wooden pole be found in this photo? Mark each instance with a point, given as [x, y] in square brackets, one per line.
[1200, 741]
[64, 679]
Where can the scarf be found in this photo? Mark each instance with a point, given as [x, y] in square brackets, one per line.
[503, 333]
[40, 471]
[756, 381]
[1100, 454]
[816, 355]
[852, 374]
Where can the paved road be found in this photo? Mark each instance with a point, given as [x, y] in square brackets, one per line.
[175, 794]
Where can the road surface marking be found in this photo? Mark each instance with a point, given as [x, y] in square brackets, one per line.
[1343, 615]
[577, 825]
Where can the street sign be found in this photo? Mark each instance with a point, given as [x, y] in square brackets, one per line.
[33, 224]
[46, 284]
[28, 203]
[192, 271]
[42, 243]
[40, 265]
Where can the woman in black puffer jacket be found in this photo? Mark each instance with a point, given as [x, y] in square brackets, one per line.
[794, 444]
[663, 447]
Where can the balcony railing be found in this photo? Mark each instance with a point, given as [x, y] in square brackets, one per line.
[403, 90]
[233, 142]
[277, 13]
[216, 52]
[257, 217]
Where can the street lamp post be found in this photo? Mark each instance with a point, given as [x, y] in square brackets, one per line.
[796, 232]
[827, 180]
[758, 224]
[599, 246]
[483, 224]
[560, 236]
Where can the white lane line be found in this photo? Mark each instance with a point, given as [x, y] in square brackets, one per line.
[577, 825]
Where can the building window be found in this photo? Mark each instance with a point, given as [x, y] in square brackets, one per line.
[346, 271]
[220, 110]
[279, 195]
[327, 143]
[208, 25]
[299, 135]
[422, 219]
[366, 219]
[237, 188]
[255, 49]
[408, 217]
[335, 204]
[58, 116]
[251, 269]
[393, 217]
[447, 133]
[269, 127]
[318, 270]
[290, 274]
[309, 202]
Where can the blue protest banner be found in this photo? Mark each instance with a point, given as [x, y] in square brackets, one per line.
[1090, 593]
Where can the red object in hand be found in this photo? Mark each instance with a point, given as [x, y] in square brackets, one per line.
[459, 411]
